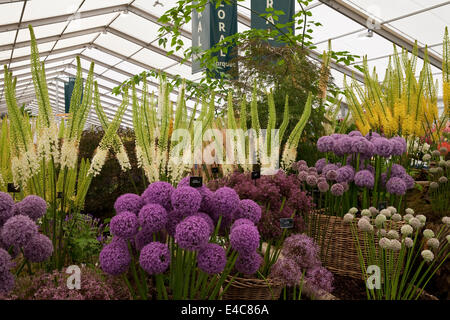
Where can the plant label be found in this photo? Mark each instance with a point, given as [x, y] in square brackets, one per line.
[196, 182]
[286, 223]
[12, 188]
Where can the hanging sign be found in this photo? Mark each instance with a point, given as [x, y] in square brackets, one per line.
[267, 22]
[211, 26]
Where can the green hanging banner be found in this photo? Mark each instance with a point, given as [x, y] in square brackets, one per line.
[267, 23]
[68, 90]
[211, 26]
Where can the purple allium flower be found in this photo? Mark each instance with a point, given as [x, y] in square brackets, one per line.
[152, 217]
[360, 145]
[6, 204]
[115, 258]
[32, 206]
[311, 180]
[186, 199]
[143, 238]
[398, 146]
[364, 179]
[323, 186]
[18, 231]
[5, 261]
[370, 168]
[325, 144]
[337, 136]
[302, 250]
[337, 189]
[212, 258]
[208, 220]
[312, 170]
[248, 209]
[173, 219]
[397, 170]
[302, 175]
[226, 200]
[248, 263]
[321, 179]
[155, 258]
[303, 167]
[320, 164]
[331, 175]
[302, 163]
[39, 249]
[244, 239]
[128, 202]
[159, 192]
[6, 282]
[329, 167]
[396, 186]
[319, 278]
[207, 204]
[124, 225]
[192, 233]
[383, 147]
[240, 222]
[343, 146]
[372, 135]
[355, 133]
[345, 174]
[408, 180]
[287, 271]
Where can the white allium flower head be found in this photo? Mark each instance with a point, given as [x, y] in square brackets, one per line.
[392, 209]
[406, 230]
[415, 223]
[366, 213]
[433, 243]
[365, 225]
[428, 233]
[409, 211]
[353, 210]
[373, 211]
[421, 218]
[393, 234]
[366, 218]
[427, 255]
[426, 157]
[448, 238]
[385, 243]
[396, 217]
[386, 213]
[382, 233]
[348, 217]
[446, 220]
[379, 220]
[408, 242]
[395, 245]
[408, 217]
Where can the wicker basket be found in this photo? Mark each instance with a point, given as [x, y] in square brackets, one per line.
[336, 241]
[252, 289]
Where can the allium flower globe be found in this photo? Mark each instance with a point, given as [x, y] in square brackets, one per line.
[152, 217]
[428, 233]
[415, 223]
[240, 222]
[364, 179]
[393, 234]
[32, 206]
[129, 202]
[385, 243]
[6, 282]
[124, 225]
[186, 199]
[323, 186]
[39, 249]
[115, 259]
[365, 225]
[311, 180]
[379, 220]
[192, 233]
[348, 217]
[325, 144]
[396, 186]
[302, 249]
[395, 245]
[18, 231]
[337, 189]
[427, 255]
[226, 200]
[345, 174]
[6, 204]
[244, 239]
[248, 209]
[155, 258]
[383, 147]
[208, 220]
[433, 243]
[406, 230]
[5, 261]
[287, 271]
[408, 242]
[159, 192]
[319, 278]
[248, 263]
[320, 164]
[212, 258]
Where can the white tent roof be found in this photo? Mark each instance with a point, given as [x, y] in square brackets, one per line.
[121, 37]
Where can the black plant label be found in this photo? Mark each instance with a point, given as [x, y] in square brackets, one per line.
[12, 188]
[286, 223]
[196, 182]
[215, 170]
[59, 195]
[256, 174]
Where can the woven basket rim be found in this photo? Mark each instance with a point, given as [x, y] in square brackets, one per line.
[254, 282]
